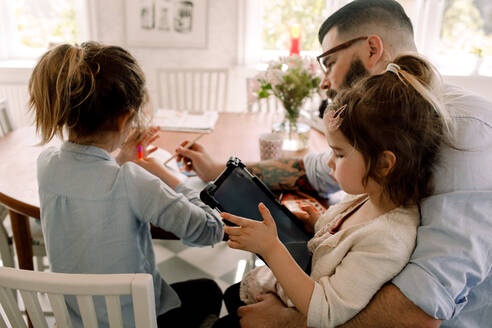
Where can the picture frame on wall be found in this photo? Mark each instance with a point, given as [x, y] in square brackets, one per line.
[166, 23]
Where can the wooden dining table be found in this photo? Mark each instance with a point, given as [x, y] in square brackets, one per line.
[235, 134]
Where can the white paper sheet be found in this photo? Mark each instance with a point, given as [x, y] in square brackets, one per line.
[172, 120]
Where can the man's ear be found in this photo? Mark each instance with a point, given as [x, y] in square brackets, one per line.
[123, 120]
[375, 50]
[387, 161]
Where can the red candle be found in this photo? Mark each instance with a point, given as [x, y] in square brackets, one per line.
[295, 36]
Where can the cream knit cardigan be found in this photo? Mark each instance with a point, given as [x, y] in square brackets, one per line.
[348, 267]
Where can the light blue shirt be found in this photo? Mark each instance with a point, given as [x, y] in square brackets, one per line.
[449, 275]
[95, 217]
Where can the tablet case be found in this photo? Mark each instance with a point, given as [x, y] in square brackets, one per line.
[239, 192]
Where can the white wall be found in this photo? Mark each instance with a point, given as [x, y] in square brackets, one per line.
[221, 50]
[108, 26]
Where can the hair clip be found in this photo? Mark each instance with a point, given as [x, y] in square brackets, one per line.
[333, 118]
[394, 68]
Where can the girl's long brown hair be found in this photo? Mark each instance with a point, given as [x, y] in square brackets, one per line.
[401, 112]
[85, 89]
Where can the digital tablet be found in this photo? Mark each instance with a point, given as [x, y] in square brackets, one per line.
[239, 192]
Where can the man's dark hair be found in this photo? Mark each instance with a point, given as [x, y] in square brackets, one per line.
[361, 12]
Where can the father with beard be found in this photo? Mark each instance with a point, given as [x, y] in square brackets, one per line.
[448, 280]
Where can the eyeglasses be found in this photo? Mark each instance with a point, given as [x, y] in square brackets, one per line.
[335, 49]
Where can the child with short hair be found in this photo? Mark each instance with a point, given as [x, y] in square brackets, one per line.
[96, 210]
[384, 133]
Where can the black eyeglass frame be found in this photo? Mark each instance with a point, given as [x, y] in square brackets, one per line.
[341, 46]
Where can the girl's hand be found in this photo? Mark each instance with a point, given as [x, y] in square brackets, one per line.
[308, 216]
[159, 170]
[251, 235]
[152, 165]
[129, 149]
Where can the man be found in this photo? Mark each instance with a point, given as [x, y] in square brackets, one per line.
[448, 280]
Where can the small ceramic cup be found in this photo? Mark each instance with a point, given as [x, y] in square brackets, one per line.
[270, 145]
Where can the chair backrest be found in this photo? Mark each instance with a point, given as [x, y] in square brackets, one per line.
[6, 253]
[5, 122]
[272, 104]
[83, 287]
[268, 105]
[6, 249]
[193, 90]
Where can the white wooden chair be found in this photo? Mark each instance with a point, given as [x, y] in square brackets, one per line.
[5, 122]
[6, 250]
[83, 286]
[194, 89]
[6, 246]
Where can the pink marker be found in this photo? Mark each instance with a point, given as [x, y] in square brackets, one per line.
[140, 152]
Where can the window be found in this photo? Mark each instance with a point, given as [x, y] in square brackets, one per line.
[281, 18]
[29, 27]
[455, 34]
[466, 38]
[265, 27]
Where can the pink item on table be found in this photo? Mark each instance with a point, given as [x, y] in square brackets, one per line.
[270, 145]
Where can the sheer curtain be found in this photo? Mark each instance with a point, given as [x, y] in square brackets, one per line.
[334, 5]
[426, 16]
[250, 13]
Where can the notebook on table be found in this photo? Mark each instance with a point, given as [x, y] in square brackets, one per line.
[173, 120]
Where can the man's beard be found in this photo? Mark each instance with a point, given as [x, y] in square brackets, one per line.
[355, 72]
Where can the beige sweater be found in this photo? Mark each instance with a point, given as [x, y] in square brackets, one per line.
[348, 267]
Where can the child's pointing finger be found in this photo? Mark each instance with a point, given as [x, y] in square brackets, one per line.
[235, 219]
[265, 213]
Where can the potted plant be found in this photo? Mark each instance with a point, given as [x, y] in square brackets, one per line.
[291, 79]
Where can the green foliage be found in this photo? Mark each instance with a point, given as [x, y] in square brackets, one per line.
[463, 28]
[291, 79]
[459, 16]
[42, 22]
[280, 14]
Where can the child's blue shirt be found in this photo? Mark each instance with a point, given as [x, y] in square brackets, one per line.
[95, 216]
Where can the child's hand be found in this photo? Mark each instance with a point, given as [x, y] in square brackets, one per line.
[152, 165]
[251, 235]
[308, 216]
[129, 149]
[159, 170]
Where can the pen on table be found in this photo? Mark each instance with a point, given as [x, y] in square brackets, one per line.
[140, 152]
[188, 145]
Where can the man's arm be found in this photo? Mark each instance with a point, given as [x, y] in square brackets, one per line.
[270, 312]
[280, 174]
[283, 174]
[388, 308]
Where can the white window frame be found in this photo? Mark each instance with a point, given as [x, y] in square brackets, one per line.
[250, 13]
[426, 17]
[10, 50]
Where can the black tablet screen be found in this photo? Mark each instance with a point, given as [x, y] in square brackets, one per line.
[240, 195]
